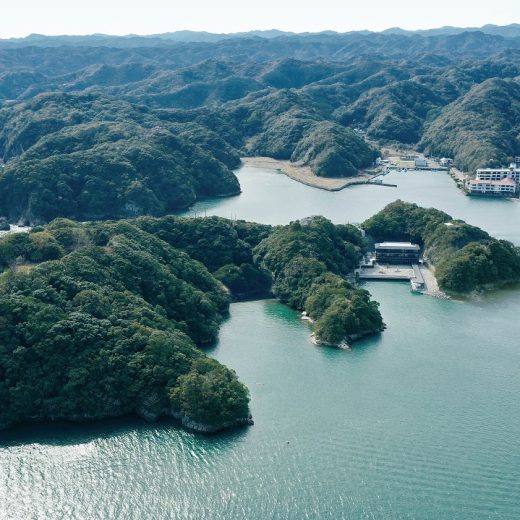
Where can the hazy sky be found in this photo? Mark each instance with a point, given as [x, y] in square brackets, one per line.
[22, 17]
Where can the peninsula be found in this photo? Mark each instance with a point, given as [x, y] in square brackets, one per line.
[102, 319]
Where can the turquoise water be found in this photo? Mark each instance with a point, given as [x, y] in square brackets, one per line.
[420, 422]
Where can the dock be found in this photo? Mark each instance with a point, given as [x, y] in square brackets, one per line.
[417, 282]
[411, 273]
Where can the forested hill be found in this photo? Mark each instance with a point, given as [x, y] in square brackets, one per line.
[92, 157]
[103, 130]
[481, 128]
[104, 319]
[465, 257]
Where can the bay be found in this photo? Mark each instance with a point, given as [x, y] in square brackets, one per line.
[270, 197]
[420, 422]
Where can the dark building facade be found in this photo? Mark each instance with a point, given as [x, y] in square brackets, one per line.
[397, 253]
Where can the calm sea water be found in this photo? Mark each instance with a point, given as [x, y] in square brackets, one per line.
[421, 422]
[270, 197]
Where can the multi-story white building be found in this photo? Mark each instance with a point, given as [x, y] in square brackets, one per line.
[496, 181]
[497, 174]
[506, 187]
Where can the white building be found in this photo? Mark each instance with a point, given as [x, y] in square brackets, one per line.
[505, 187]
[446, 162]
[497, 174]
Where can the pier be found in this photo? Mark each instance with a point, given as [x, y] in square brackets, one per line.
[411, 273]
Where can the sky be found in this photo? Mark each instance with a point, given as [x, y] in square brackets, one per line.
[22, 17]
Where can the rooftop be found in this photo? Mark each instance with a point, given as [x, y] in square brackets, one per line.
[398, 245]
[507, 182]
[503, 170]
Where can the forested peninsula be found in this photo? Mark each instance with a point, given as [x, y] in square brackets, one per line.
[108, 318]
[105, 319]
[465, 257]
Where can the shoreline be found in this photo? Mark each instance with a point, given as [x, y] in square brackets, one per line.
[304, 175]
[432, 286]
[178, 421]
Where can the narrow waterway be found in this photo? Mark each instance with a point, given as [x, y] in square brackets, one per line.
[269, 196]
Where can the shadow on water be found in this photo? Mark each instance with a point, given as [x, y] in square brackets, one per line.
[281, 312]
[64, 433]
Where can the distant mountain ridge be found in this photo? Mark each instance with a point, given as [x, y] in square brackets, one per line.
[506, 31]
[108, 127]
[39, 52]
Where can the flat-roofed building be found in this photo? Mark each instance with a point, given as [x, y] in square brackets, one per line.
[409, 157]
[505, 187]
[497, 174]
[397, 253]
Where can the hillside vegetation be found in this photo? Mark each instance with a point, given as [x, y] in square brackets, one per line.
[108, 129]
[104, 318]
[465, 257]
[481, 129]
[90, 158]
[108, 325]
[309, 260]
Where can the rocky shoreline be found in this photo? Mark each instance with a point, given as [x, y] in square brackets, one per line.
[151, 410]
[191, 424]
[148, 416]
[198, 427]
[346, 343]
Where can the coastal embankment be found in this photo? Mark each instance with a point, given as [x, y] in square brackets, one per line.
[432, 286]
[459, 177]
[305, 175]
[404, 272]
